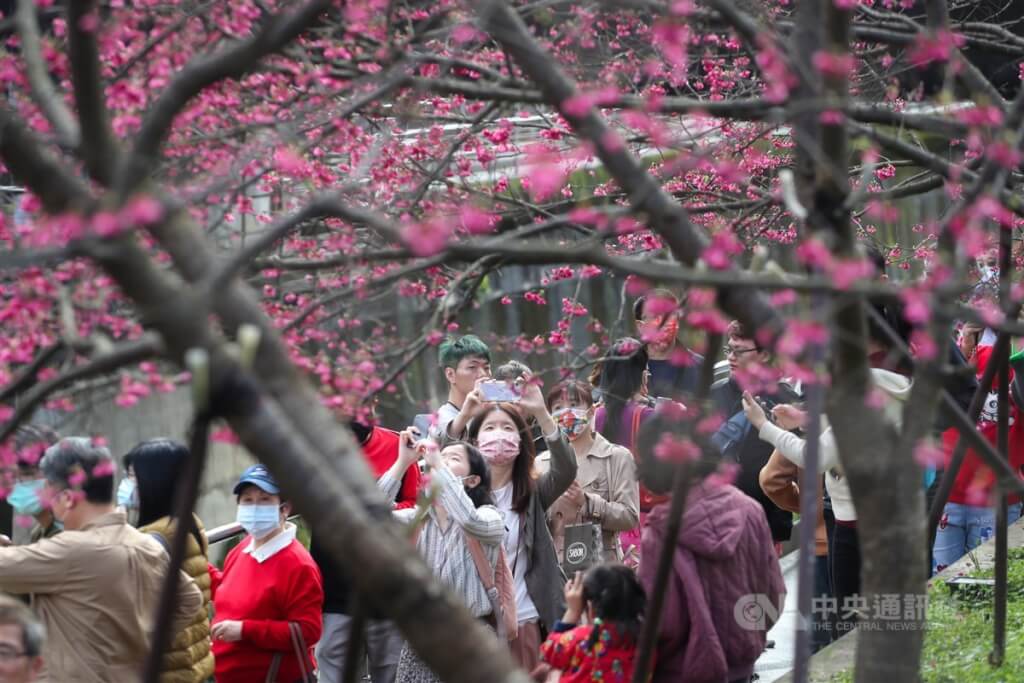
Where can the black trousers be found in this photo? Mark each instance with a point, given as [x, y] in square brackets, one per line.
[844, 568]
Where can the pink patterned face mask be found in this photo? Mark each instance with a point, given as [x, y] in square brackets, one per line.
[498, 447]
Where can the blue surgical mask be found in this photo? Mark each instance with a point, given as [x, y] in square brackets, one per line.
[259, 521]
[24, 497]
[126, 491]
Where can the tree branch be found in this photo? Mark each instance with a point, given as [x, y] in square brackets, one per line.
[230, 63]
[123, 354]
[28, 374]
[647, 197]
[41, 87]
[99, 148]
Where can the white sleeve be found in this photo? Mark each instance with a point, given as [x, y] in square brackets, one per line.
[792, 447]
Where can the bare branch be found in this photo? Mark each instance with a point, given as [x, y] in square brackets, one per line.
[41, 87]
[98, 145]
[25, 156]
[123, 354]
[647, 197]
[28, 374]
[15, 260]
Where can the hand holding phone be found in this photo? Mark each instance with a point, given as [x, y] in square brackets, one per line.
[499, 392]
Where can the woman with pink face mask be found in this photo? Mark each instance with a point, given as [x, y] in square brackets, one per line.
[605, 491]
[523, 498]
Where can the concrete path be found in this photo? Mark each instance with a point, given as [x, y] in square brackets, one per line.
[778, 661]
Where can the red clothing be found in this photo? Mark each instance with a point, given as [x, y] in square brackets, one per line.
[381, 451]
[975, 480]
[609, 660]
[265, 597]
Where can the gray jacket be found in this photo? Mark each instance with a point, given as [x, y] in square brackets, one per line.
[545, 579]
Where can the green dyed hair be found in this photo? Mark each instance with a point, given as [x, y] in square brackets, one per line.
[454, 350]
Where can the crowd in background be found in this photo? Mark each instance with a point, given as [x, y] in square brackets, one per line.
[543, 510]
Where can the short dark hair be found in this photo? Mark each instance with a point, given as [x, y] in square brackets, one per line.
[738, 330]
[452, 351]
[33, 633]
[657, 474]
[78, 454]
[638, 305]
[30, 442]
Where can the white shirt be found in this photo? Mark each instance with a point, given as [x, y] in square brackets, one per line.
[445, 414]
[515, 551]
[446, 550]
[273, 546]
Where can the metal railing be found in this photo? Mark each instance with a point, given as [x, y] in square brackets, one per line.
[226, 532]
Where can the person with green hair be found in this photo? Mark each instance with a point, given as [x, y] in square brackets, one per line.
[465, 361]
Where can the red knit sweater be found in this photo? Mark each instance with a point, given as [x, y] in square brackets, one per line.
[265, 597]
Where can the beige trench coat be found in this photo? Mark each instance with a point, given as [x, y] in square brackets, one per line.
[607, 475]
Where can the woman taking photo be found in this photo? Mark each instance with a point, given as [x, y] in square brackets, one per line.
[159, 466]
[267, 600]
[605, 491]
[523, 498]
[461, 517]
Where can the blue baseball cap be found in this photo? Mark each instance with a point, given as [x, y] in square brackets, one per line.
[260, 477]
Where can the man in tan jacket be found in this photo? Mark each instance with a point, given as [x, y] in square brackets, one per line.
[95, 586]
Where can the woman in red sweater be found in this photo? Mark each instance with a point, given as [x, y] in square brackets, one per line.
[267, 600]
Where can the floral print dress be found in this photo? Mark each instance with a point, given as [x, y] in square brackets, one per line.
[609, 658]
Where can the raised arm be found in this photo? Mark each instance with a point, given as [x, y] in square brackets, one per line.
[42, 567]
[484, 523]
[562, 472]
[391, 481]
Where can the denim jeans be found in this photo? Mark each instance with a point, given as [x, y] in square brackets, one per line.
[963, 528]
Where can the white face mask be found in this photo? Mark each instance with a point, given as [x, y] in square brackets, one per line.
[259, 521]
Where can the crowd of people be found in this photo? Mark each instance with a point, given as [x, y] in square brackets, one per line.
[544, 511]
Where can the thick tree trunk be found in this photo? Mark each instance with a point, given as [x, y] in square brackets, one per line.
[277, 414]
[884, 479]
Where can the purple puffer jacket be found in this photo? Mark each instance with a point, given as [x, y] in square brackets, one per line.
[711, 630]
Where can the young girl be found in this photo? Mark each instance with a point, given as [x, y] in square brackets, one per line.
[462, 510]
[604, 648]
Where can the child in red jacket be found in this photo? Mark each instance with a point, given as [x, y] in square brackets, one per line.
[604, 648]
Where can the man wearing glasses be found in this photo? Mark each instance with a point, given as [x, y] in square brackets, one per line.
[737, 441]
[21, 643]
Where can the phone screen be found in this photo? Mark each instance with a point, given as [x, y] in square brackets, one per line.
[500, 392]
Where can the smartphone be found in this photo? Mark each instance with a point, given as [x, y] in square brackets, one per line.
[499, 392]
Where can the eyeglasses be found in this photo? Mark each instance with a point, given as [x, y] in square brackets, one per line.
[7, 654]
[730, 350]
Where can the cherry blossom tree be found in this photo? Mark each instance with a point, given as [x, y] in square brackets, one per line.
[188, 174]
